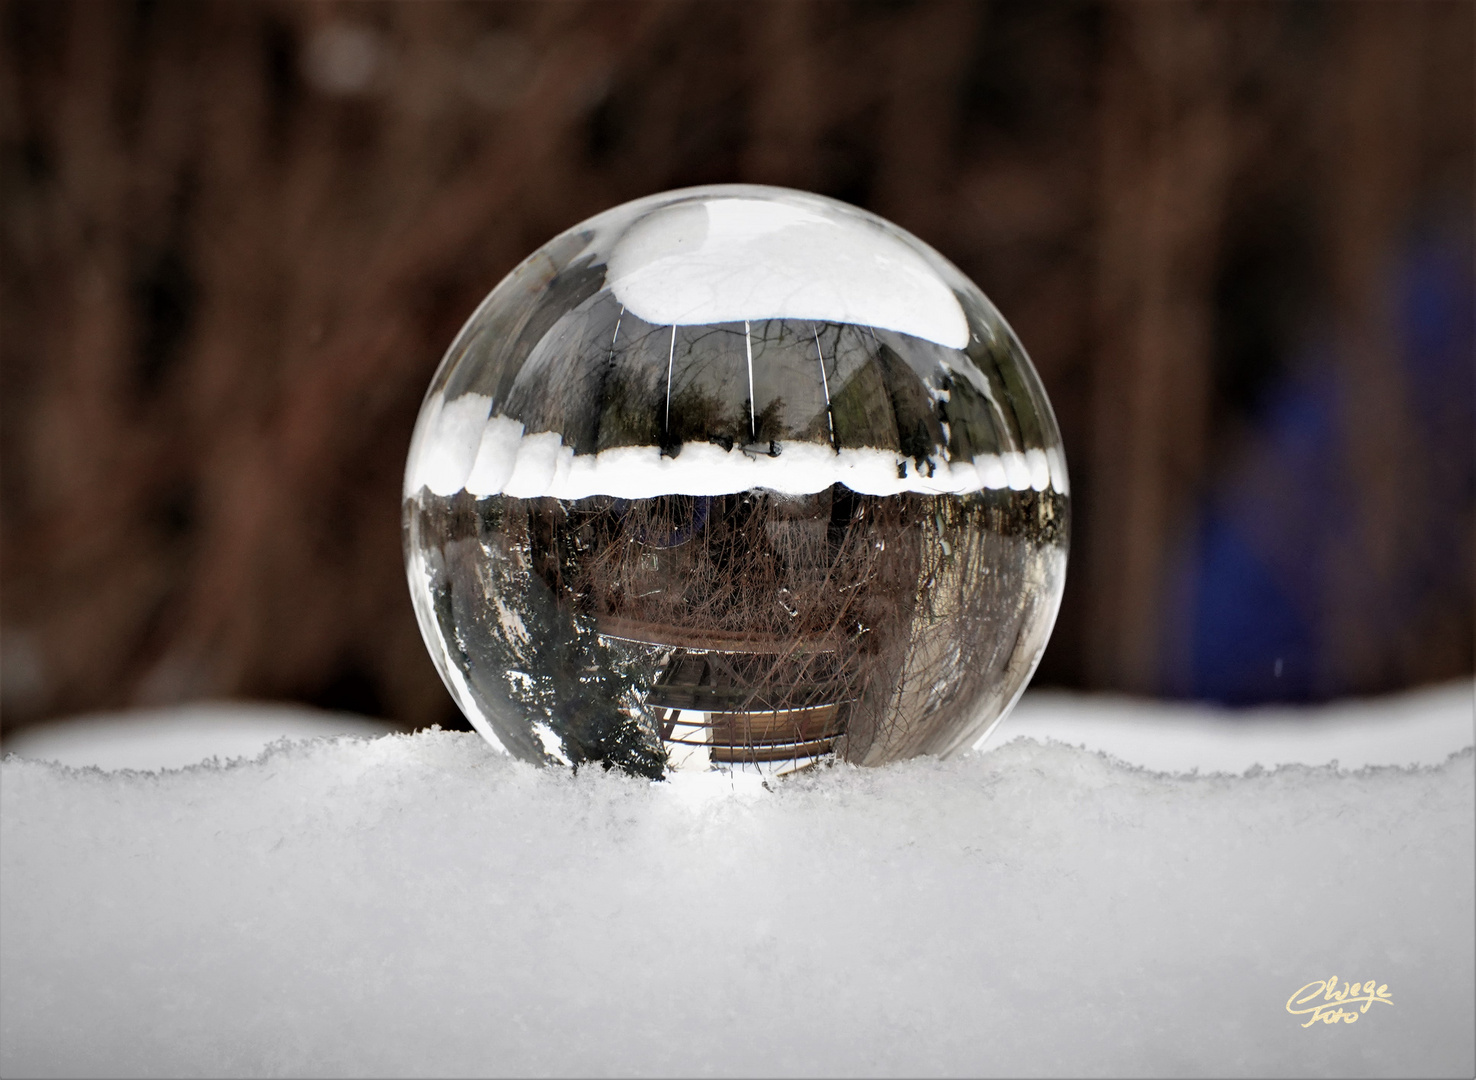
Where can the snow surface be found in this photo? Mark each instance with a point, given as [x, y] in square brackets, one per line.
[174, 737]
[421, 905]
[1421, 727]
[731, 259]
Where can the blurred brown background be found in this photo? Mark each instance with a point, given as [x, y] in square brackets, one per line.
[1236, 239]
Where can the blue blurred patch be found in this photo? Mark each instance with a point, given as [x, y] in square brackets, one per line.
[1251, 598]
[1250, 643]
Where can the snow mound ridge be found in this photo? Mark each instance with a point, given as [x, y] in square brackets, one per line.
[417, 905]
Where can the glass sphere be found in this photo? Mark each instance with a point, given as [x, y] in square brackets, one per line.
[735, 477]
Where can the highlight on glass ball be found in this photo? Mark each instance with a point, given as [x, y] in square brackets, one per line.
[735, 478]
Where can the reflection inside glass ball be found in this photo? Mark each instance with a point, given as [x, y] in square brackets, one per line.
[735, 478]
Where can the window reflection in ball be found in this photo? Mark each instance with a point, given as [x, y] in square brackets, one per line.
[735, 477]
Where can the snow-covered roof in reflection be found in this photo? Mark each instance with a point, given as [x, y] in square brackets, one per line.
[461, 447]
[730, 259]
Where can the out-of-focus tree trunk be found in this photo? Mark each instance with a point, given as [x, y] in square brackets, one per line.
[1167, 151]
[1373, 125]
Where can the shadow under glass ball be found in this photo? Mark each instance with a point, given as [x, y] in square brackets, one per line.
[735, 477]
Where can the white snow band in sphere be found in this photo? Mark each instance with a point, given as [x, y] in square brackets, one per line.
[735, 477]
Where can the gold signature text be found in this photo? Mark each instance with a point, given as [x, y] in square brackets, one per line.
[1326, 1003]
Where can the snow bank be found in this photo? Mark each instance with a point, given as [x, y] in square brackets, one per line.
[418, 905]
[1420, 727]
[180, 735]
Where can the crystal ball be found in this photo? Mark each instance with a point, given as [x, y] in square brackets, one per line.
[736, 478]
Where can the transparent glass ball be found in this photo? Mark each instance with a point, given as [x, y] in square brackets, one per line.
[735, 477]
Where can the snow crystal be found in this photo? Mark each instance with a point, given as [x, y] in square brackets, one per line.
[421, 905]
